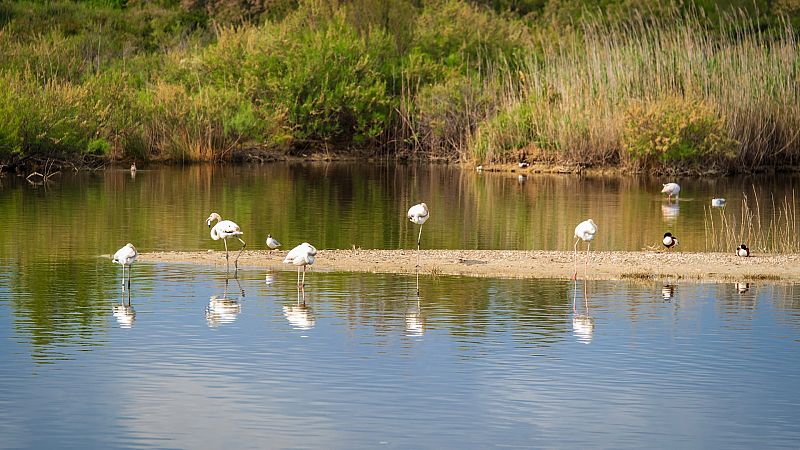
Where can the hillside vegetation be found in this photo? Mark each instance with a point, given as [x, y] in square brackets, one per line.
[692, 87]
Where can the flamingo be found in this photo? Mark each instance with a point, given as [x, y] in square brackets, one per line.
[419, 214]
[669, 240]
[272, 243]
[302, 255]
[742, 250]
[224, 229]
[584, 231]
[126, 256]
[671, 189]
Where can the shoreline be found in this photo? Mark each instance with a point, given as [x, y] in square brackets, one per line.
[641, 265]
[25, 165]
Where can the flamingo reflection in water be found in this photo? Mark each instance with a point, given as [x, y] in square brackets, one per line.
[300, 315]
[670, 211]
[223, 308]
[414, 324]
[124, 313]
[582, 324]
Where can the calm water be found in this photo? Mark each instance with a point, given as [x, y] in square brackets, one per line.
[197, 362]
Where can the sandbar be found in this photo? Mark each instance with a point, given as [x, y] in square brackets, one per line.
[620, 265]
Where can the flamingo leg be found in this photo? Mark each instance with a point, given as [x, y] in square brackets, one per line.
[130, 270]
[419, 240]
[303, 283]
[298, 277]
[575, 295]
[227, 258]
[236, 261]
[123, 277]
[575, 276]
[586, 268]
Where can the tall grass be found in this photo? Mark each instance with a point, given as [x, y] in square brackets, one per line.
[778, 233]
[654, 93]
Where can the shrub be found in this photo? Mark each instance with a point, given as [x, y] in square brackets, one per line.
[675, 132]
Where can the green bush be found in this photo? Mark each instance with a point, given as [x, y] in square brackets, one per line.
[675, 132]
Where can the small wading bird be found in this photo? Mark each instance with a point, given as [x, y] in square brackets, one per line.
[302, 255]
[272, 243]
[225, 229]
[669, 240]
[671, 189]
[584, 231]
[126, 256]
[717, 202]
[743, 251]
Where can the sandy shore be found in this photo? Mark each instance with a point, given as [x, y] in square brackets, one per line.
[520, 264]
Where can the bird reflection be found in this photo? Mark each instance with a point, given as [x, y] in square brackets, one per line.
[668, 291]
[582, 324]
[124, 313]
[223, 308]
[670, 211]
[742, 287]
[300, 316]
[414, 324]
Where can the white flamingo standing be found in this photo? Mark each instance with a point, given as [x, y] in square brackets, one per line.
[272, 243]
[419, 214]
[225, 229]
[302, 255]
[671, 189]
[126, 256]
[585, 231]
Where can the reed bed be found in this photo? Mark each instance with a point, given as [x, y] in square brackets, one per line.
[653, 93]
[771, 231]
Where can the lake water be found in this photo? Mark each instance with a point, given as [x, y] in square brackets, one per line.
[361, 361]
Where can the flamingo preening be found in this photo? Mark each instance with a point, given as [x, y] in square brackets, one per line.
[126, 256]
[302, 255]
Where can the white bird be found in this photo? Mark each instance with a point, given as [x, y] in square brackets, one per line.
[225, 229]
[742, 287]
[742, 250]
[584, 231]
[272, 243]
[717, 202]
[669, 240]
[671, 189]
[302, 255]
[523, 165]
[126, 256]
[419, 214]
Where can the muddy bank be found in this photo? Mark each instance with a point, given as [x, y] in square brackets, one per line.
[520, 264]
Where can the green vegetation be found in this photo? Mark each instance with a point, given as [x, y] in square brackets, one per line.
[696, 86]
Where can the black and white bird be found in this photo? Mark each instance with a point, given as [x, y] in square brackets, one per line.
[669, 240]
[743, 250]
[272, 243]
